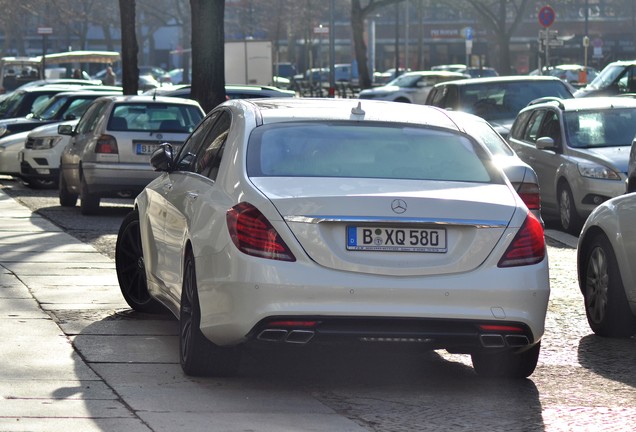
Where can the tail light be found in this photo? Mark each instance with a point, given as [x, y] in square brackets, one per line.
[528, 246]
[254, 235]
[106, 144]
[529, 194]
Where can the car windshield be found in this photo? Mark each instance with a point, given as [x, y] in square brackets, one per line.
[155, 117]
[602, 128]
[310, 149]
[405, 81]
[7, 105]
[504, 100]
[607, 76]
[60, 108]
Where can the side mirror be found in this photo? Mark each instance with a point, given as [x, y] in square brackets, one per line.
[65, 130]
[162, 158]
[546, 143]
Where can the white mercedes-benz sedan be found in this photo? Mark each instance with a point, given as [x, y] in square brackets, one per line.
[302, 221]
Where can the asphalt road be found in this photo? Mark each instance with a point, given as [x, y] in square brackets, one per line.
[582, 382]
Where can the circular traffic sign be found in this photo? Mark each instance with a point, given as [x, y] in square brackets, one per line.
[546, 16]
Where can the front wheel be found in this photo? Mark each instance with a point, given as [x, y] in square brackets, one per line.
[571, 222]
[507, 363]
[67, 198]
[606, 306]
[130, 266]
[198, 355]
[89, 203]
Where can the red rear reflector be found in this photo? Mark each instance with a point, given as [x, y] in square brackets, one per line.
[528, 246]
[500, 328]
[106, 144]
[254, 235]
[530, 195]
[292, 324]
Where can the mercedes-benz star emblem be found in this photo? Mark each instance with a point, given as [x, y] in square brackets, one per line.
[398, 206]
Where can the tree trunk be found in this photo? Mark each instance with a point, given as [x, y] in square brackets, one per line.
[357, 27]
[208, 53]
[129, 47]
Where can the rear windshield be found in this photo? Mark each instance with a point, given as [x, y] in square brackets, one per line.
[155, 117]
[601, 128]
[504, 100]
[307, 149]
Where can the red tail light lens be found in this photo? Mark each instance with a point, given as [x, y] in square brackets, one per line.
[529, 194]
[106, 144]
[253, 235]
[528, 246]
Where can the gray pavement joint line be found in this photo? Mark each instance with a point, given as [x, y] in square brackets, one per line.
[53, 318]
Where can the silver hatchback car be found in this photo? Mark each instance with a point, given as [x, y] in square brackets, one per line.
[579, 148]
[108, 154]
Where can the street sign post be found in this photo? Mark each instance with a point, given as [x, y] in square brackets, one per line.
[546, 17]
[44, 31]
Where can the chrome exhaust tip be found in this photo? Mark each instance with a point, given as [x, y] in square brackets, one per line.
[272, 335]
[299, 336]
[517, 340]
[492, 340]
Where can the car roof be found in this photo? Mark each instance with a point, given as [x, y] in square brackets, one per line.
[84, 93]
[150, 99]
[501, 79]
[52, 87]
[434, 73]
[273, 110]
[578, 104]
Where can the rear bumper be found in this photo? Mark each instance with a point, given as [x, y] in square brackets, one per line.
[117, 180]
[458, 336]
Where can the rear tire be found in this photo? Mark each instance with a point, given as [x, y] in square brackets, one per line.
[198, 355]
[67, 199]
[89, 203]
[606, 306]
[506, 363]
[130, 266]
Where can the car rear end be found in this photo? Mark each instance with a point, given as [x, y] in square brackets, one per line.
[374, 233]
[118, 164]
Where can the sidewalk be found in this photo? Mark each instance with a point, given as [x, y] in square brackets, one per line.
[45, 385]
[75, 358]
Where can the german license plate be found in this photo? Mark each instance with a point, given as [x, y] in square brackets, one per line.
[395, 239]
[146, 148]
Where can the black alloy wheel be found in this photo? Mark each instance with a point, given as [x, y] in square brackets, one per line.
[198, 355]
[131, 271]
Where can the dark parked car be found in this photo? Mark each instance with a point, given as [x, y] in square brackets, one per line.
[60, 107]
[496, 99]
[22, 102]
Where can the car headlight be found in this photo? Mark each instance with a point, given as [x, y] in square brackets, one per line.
[46, 143]
[597, 171]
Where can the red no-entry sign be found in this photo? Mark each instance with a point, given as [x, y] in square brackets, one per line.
[546, 16]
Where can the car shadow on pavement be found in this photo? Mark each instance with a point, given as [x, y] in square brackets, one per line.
[611, 358]
[383, 388]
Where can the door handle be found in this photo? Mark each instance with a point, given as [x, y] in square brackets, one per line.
[167, 187]
[192, 195]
